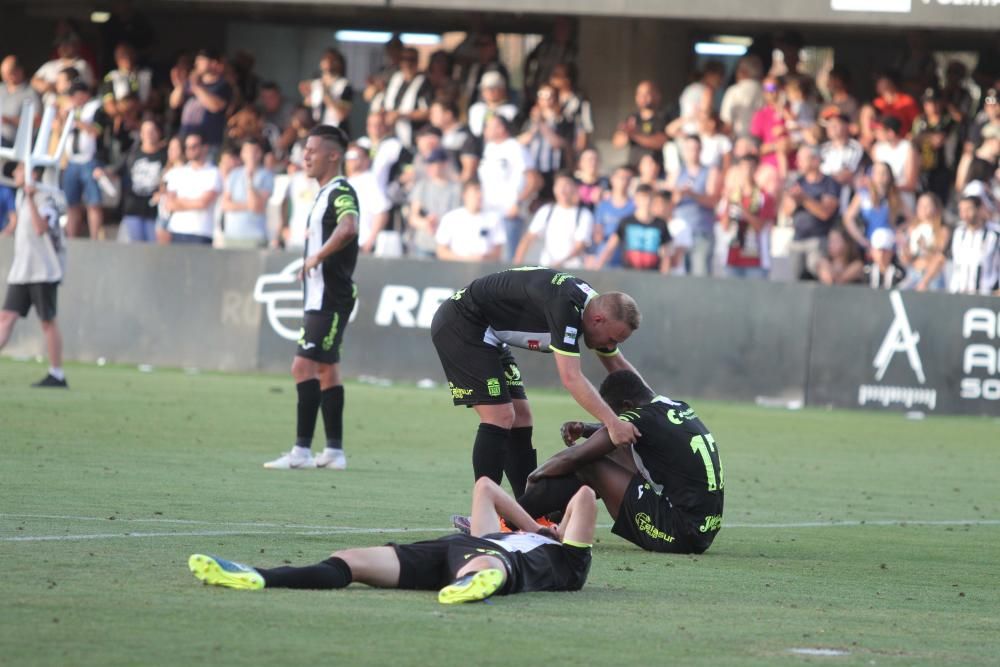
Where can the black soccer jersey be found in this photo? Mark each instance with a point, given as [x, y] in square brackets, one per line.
[332, 284]
[679, 458]
[534, 308]
[537, 563]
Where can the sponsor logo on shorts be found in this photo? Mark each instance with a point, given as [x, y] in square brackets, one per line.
[645, 524]
[493, 386]
[712, 522]
[640, 489]
[307, 346]
[513, 376]
[570, 337]
[533, 345]
[458, 392]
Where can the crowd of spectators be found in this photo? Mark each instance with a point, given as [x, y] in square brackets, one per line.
[453, 163]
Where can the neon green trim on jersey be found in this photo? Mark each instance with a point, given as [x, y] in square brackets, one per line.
[613, 353]
[328, 341]
[563, 352]
[578, 545]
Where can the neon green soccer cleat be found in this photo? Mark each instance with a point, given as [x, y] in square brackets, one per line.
[215, 571]
[472, 587]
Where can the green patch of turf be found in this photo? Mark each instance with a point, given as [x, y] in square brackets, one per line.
[156, 466]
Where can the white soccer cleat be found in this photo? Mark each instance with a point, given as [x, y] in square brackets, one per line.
[293, 460]
[332, 459]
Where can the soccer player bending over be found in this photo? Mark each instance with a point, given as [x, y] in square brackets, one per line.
[462, 568]
[665, 492]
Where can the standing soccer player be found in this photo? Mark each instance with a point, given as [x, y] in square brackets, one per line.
[538, 309]
[331, 253]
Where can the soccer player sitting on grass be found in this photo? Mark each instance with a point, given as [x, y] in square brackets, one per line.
[665, 492]
[462, 568]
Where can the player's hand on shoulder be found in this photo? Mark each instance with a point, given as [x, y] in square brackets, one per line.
[622, 433]
[571, 432]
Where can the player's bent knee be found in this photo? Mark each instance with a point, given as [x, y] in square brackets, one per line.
[585, 495]
[485, 485]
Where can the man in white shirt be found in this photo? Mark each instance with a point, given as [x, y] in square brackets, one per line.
[37, 270]
[565, 225]
[244, 200]
[68, 51]
[79, 181]
[374, 206]
[742, 99]
[191, 194]
[469, 234]
[508, 176]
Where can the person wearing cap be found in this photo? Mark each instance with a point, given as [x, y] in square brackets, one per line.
[935, 136]
[898, 152]
[68, 55]
[407, 98]
[982, 131]
[493, 102]
[203, 98]
[433, 195]
[841, 156]
[79, 181]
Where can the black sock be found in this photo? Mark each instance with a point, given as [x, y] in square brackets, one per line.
[308, 410]
[488, 452]
[520, 459]
[331, 573]
[549, 494]
[332, 405]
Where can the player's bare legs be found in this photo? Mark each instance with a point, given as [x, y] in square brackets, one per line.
[609, 479]
[8, 318]
[374, 566]
[53, 343]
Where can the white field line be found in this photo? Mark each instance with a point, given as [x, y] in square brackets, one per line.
[262, 528]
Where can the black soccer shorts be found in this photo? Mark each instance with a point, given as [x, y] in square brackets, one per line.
[430, 565]
[43, 296]
[649, 521]
[478, 373]
[322, 333]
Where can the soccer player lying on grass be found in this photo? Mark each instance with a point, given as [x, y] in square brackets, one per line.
[665, 492]
[463, 568]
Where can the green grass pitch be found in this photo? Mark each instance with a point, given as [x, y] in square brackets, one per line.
[860, 532]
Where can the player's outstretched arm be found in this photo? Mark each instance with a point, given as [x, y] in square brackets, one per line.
[571, 459]
[488, 501]
[580, 520]
[584, 393]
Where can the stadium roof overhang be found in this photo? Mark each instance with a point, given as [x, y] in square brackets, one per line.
[524, 15]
